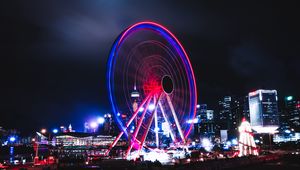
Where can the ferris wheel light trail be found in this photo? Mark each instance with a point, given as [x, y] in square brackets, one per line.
[176, 119]
[148, 126]
[138, 127]
[166, 120]
[140, 123]
[156, 125]
[148, 57]
[128, 123]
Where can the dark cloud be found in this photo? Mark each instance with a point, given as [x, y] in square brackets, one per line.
[53, 53]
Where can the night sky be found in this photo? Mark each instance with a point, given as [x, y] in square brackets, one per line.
[54, 53]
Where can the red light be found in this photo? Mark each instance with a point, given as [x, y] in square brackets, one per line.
[153, 85]
[253, 93]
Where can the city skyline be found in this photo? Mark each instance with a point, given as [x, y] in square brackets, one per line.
[54, 59]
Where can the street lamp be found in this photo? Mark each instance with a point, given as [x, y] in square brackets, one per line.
[12, 139]
[55, 131]
[100, 120]
[94, 125]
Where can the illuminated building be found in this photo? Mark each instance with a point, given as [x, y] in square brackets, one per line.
[81, 144]
[135, 95]
[204, 125]
[70, 129]
[108, 125]
[86, 127]
[224, 112]
[226, 119]
[210, 115]
[82, 139]
[264, 116]
[246, 110]
[287, 136]
[290, 118]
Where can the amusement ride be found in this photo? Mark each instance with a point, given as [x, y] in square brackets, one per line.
[150, 78]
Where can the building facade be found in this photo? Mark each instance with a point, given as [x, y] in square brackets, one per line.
[264, 117]
[290, 116]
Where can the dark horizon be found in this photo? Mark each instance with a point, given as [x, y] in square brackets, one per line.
[54, 54]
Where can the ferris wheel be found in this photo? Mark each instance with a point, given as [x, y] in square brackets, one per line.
[151, 85]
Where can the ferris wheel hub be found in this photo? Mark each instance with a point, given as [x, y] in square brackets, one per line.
[167, 84]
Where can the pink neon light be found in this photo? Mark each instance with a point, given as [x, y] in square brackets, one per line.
[128, 123]
[149, 124]
[138, 127]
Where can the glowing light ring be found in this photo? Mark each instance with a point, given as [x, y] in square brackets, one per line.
[179, 49]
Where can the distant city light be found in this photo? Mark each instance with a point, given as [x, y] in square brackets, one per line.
[12, 139]
[118, 114]
[265, 129]
[55, 131]
[43, 131]
[11, 151]
[135, 94]
[100, 120]
[141, 109]
[195, 120]
[289, 98]
[198, 106]
[206, 144]
[234, 142]
[151, 107]
[94, 125]
[107, 115]
[287, 131]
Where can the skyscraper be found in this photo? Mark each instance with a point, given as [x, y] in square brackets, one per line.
[291, 114]
[205, 126]
[226, 119]
[135, 96]
[264, 116]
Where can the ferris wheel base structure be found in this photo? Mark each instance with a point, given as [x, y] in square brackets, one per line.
[148, 57]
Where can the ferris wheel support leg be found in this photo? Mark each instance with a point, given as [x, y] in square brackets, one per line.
[148, 126]
[138, 128]
[156, 126]
[127, 124]
[166, 120]
[176, 119]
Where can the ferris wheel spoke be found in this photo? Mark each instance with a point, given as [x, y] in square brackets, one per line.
[156, 125]
[175, 118]
[166, 120]
[124, 130]
[148, 125]
[138, 127]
